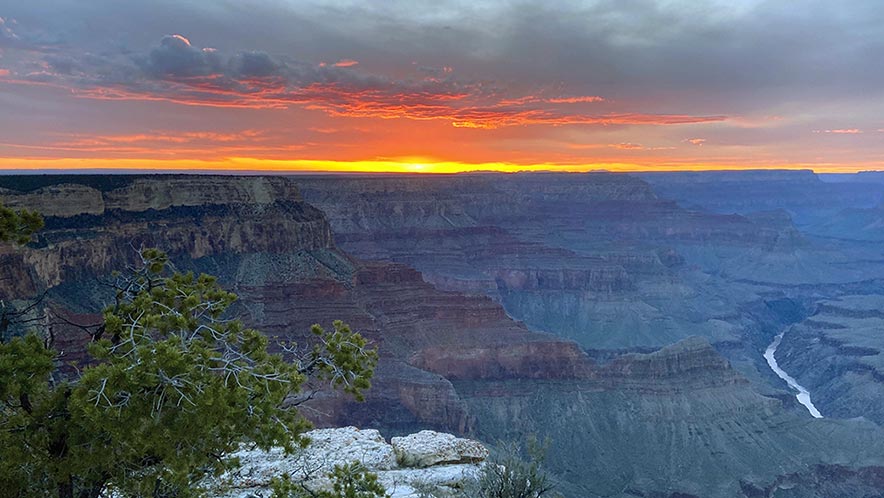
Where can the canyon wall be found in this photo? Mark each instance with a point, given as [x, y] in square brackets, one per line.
[431, 281]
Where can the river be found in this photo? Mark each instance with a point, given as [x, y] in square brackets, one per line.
[803, 394]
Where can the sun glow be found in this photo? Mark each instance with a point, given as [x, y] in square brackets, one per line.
[422, 166]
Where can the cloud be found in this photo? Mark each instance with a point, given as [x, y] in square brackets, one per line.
[695, 141]
[752, 52]
[534, 99]
[346, 63]
[178, 71]
[8, 38]
[159, 143]
[627, 146]
[177, 57]
[633, 146]
[841, 131]
[576, 100]
[153, 137]
[255, 65]
[515, 63]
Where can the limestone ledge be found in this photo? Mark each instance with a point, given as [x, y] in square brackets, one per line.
[427, 458]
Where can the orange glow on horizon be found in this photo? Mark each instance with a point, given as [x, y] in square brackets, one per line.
[406, 165]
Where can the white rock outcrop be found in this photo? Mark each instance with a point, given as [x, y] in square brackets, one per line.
[428, 448]
[428, 458]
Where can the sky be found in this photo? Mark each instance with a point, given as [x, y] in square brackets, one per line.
[441, 86]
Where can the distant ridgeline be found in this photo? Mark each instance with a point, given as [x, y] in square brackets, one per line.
[102, 183]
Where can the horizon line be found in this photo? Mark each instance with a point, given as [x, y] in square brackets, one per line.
[411, 164]
[332, 172]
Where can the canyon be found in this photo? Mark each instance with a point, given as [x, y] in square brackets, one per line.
[623, 317]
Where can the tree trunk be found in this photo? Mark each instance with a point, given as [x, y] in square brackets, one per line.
[66, 489]
[91, 492]
[58, 451]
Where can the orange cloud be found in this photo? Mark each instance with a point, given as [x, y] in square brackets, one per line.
[499, 119]
[163, 143]
[576, 100]
[346, 63]
[460, 107]
[161, 137]
[535, 99]
[182, 38]
[695, 141]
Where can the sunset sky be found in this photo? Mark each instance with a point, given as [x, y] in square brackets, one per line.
[431, 86]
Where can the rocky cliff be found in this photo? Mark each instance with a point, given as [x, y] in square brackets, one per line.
[807, 197]
[859, 224]
[90, 232]
[597, 258]
[603, 260]
[676, 422]
[838, 354]
[834, 351]
[277, 253]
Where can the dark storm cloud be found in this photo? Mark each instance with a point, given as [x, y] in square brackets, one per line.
[255, 64]
[176, 57]
[723, 53]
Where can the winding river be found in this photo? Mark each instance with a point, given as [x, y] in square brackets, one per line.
[803, 394]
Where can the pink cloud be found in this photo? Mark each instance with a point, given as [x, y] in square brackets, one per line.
[632, 146]
[841, 131]
[627, 146]
[346, 63]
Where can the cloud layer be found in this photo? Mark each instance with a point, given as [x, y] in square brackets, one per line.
[175, 70]
[691, 81]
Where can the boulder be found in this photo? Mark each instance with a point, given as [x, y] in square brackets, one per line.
[428, 448]
[344, 445]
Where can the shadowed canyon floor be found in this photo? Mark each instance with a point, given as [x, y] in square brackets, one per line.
[512, 304]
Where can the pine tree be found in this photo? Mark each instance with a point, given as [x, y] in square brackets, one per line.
[172, 389]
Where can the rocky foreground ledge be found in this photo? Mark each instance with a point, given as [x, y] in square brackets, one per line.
[425, 459]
